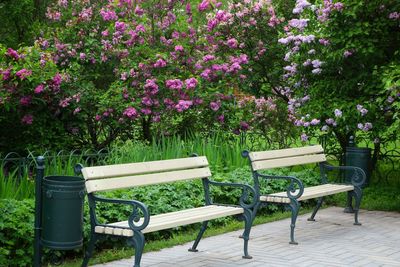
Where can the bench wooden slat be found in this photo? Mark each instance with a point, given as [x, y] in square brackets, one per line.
[145, 179]
[288, 152]
[286, 162]
[174, 219]
[309, 192]
[118, 170]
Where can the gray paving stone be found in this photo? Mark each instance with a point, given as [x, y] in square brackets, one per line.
[331, 241]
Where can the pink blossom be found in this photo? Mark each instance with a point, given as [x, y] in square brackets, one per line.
[77, 110]
[204, 5]
[174, 84]
[6, 74]
[12, 53]
[25, 100]
[120, 26]
[39, 89]
[108, 15]
[179, 48]
[139, 11]
[160, 63]
[27, 119]
[130, 112]
[22, 74]
[183, 105]
[97, 117]
[191, 83]
[221, 118]
[215, 106]
[146, 111]
[82, 56]
[64, 102]
[232, 43]
[347, 53]
[208, 58]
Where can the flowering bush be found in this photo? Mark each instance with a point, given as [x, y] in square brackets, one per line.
[334, 67]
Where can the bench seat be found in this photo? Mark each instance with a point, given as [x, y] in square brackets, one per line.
[172, 219]
[309, 193]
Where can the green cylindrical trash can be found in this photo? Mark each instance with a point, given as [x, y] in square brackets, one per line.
[358, 157]
[62, 212]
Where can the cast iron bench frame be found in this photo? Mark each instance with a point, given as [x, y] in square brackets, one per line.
[296, 191]
[110, 177]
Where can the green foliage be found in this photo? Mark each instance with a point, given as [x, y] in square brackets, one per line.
[16, 232]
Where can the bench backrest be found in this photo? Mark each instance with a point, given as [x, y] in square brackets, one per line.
[118, 176]
[286, 157]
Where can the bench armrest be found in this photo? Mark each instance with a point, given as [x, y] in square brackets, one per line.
[291, 191]
[134, 218]
[358, 177]
[246, 191]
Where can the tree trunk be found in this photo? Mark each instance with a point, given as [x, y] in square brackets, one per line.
[146, 123]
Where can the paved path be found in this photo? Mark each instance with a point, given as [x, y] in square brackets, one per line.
[332, 240]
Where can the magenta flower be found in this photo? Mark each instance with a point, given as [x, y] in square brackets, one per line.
[221, 118]
[191, 83]
[6, 74]
[179, 48]
[174, 84]
[12, 53]
[129, 112]
[39, 89]
[146, 111]
[160, 63]
[232, 43]
[27, 119]
[215, 106]
[120, 26]
[25, 100]
[108, 15]
[82, 56]
[183, 105]
[22, 74]
[204, 5]
[139, 11]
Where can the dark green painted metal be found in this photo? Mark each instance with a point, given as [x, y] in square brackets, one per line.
[357, 178]
[62, 216]
[37, 255]
[247, 201]
[358, 157]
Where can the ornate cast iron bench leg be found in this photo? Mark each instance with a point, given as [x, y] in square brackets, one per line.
[201, 232]
[89, 249]
[319, 204]
[137, 241]
[248, 220]
[349, 204]
[294, 207]
[357, 193]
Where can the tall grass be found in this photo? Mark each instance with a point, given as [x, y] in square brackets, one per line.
[223, 154]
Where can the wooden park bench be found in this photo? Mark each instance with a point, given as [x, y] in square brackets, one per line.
[140, 221]
[296, 191]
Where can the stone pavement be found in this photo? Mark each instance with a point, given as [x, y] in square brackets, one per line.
[332, 240]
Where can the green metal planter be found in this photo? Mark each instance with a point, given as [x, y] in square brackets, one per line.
[62, 212]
